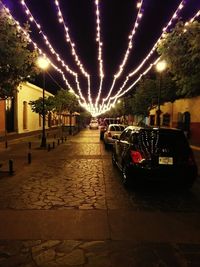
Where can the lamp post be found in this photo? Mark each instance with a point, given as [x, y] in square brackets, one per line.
[43, 64]
[160, 67]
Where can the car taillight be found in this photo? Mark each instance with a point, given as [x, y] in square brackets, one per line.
[136, 156]
[109, 134]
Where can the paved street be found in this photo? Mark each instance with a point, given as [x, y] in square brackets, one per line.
[69, 208]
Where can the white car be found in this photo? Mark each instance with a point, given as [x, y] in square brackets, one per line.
[94, 124]
[112, 130]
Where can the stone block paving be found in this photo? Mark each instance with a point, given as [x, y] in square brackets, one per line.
[78, 253]
[78, 174]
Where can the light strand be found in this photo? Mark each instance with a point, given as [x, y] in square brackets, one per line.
[100, 45]
[145, 72]
[72, 45]
[129, 48]
[164, 31]
[32, 19]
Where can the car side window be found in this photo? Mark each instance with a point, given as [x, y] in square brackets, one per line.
[125, 135]
[134, 138]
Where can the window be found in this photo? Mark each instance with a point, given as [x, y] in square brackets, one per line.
[166, 119]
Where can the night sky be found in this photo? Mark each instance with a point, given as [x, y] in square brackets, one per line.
[117, 19]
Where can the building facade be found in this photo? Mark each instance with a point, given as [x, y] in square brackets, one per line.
[183, 114]
[16, 115]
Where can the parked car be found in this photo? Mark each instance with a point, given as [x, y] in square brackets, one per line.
[104, 125]
[94, 124]
[155, 154]
[112, 130]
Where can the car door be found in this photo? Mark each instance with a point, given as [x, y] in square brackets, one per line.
[122, 146]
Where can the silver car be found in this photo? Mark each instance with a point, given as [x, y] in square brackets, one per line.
[112, 130]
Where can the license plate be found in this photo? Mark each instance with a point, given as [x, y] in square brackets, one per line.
[166, 160]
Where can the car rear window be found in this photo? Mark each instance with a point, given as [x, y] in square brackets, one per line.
[153, 140]
[117, 128]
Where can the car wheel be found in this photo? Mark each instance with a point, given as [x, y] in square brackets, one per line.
[125, 176]
[106, 146]
[101, 136]
[113, 159]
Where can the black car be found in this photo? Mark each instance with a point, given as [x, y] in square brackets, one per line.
[159, 154]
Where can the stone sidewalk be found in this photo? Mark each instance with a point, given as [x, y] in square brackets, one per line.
[68, 208]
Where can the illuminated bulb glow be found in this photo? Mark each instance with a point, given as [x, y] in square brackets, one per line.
[67, 68]
[27, 36]
[97, 110]
[126, 56]
[100, 44]
[108, 106]
[181, 5]
[73, 51]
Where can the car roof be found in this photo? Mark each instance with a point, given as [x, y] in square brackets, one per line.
[116, 124]
[150, 128]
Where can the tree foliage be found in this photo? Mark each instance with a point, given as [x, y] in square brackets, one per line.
[17, 61]
[147, 93]
[181, 50]
[66, 101]
[37, 105]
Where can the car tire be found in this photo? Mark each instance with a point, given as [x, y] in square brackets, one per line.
[114, 159]
[125, 176]
[106, 146]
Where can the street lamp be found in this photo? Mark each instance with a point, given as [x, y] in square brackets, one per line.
[160, 67]
[43, 64]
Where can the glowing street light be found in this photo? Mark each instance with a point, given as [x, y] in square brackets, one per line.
[43, 64]
[160, 67]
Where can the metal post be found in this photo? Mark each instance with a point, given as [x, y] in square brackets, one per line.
[10, 163]
[43, 142]
[49, 147]
[29, 145]
[29, 158]
[159, 96]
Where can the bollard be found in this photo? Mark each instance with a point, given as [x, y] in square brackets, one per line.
[58, 142]
[6, 144]
[49, 147]
[62, 139]
[29, 158]
[53, 144]
[10, 163]
[65, 138]
[29, 145]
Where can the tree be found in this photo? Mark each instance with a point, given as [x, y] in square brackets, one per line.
[17, 62]
[181, 50]
[37, 105]
[66, 101]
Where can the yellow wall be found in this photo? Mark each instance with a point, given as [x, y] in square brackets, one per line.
[2, 117]
[28, 92]
[191, 105]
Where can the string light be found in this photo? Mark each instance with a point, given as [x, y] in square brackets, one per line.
[164, 31]
[36, 47]
[118, 95]
[100, 45]
[72, 45]
[109, 101]
[127, 53]
[67, 68]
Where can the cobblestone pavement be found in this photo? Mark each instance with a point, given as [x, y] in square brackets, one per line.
[78, 175]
